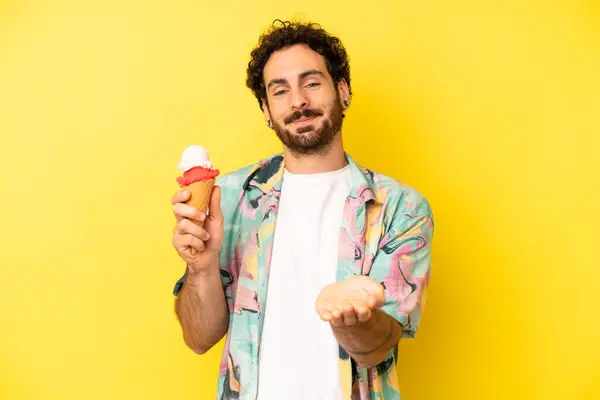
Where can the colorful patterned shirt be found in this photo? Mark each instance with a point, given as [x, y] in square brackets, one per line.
[386, 234]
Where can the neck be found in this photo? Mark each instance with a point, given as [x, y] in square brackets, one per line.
[330, 159]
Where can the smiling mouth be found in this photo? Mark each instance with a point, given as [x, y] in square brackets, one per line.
[303, 121]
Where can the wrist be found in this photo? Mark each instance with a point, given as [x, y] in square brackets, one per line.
[199, 274]
[204, 271]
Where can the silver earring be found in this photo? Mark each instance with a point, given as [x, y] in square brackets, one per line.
[269, 123]
[346, 103]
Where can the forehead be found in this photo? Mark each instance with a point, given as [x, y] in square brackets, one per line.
[292, 61]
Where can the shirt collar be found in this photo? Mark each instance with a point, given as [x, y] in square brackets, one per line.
[267, 176]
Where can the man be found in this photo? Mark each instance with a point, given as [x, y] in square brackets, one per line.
[312, 265]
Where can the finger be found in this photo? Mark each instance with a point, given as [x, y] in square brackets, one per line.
[215, 203]
[187, 226]
[180, 197]
[377, 292]
[363, 313]
[325, 316]
[336, 317]
[184, 242]
[377, 299]
[350, 317]
[182, 210]
[371, 301]
[193, 242]
[380, 301]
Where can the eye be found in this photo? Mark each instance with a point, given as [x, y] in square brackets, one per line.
[279, 92]
[313, 85]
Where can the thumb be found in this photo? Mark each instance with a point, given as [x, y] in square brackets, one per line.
[214, 206]
[376, 294]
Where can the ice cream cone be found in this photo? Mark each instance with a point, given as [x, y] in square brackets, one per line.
[198, 179]
[200, 196]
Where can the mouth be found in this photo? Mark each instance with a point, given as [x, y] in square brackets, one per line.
[304, 121]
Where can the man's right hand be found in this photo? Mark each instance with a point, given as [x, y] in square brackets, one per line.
[207, 240]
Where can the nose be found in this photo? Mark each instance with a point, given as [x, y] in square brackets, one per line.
[299, 100]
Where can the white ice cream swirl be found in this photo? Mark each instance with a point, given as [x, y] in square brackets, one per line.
[194, 156]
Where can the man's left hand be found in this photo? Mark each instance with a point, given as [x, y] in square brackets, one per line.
[350, 301]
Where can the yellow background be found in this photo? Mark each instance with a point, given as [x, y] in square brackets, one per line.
[490, 108]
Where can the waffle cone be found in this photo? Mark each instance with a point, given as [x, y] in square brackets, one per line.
[200, 196]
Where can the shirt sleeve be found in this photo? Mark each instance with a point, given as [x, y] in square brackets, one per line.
[402, 264]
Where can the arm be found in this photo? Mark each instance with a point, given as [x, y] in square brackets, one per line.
[401, 267]
[202, 309]
[200, 304]
[370, 313]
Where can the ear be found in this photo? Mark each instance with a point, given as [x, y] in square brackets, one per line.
[266, 111]
[344, 93]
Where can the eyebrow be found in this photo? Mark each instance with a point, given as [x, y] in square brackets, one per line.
[303, 75]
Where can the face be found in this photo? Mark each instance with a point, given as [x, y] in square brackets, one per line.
[304, 105]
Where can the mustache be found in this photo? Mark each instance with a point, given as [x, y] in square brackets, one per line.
[307, 113]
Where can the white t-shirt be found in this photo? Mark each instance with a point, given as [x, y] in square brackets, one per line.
[298, 354]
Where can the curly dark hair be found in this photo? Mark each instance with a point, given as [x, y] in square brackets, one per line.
[283, 34]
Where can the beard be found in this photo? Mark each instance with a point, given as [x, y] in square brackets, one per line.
[310, 140]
